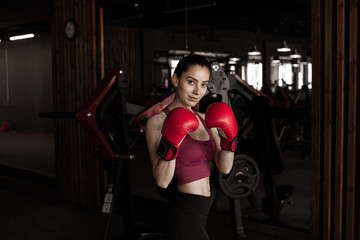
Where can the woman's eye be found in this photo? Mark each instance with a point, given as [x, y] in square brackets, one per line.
[191, 82]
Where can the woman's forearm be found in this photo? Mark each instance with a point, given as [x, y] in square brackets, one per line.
[225, 161]
[163, 172]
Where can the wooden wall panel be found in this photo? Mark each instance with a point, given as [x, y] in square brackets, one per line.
[335, 50]
[122, 49]
[75, 74]
[352, 211]
[316, 121]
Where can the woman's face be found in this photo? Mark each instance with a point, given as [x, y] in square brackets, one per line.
[192, 85]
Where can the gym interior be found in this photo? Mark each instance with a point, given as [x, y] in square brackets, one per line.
[83, 77]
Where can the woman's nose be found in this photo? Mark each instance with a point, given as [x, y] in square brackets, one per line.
[196, 89]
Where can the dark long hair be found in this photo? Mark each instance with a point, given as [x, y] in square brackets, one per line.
[191, 60]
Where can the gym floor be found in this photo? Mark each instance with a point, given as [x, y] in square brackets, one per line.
[28, 212]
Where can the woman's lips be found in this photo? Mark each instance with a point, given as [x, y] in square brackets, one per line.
[194, 99]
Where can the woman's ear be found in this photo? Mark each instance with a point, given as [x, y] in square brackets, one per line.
[175, 80]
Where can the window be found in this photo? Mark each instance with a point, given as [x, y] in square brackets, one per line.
[254, 74]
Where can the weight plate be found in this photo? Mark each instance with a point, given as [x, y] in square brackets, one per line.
[243, 179]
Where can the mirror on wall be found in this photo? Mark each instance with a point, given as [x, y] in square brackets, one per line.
[271, 179]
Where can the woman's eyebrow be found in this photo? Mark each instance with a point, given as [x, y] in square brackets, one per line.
[192, 78]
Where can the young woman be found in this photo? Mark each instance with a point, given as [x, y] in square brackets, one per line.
[182, 142]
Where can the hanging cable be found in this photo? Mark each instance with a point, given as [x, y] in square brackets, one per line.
[7, 76]
[186, 27]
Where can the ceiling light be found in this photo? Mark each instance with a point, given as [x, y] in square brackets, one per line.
[254, 51]
[295, 54]
[234, 59]
[19, 37]
[284, 47]
[276, 60]
[295, 63]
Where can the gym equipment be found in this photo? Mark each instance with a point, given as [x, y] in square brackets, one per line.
[241, 182]
[232, 90]
[219, 82]
[243, 179]
[102, 112]
[103, 116]
[270, 158]
[293, 109]
[257, 137]
[144, 115]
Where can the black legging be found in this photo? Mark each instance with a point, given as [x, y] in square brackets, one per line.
[187, 217]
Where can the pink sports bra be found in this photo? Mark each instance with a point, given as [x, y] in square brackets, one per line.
[193, 159]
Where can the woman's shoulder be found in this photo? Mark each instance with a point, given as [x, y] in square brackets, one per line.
[156, 121]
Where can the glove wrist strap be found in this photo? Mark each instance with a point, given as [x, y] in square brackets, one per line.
[228, 145]
[166, 150]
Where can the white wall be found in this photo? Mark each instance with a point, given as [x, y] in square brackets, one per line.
[26, 82]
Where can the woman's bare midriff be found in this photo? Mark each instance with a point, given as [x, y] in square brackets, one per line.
[199, 187]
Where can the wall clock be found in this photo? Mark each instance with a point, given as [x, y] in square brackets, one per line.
[71, 29]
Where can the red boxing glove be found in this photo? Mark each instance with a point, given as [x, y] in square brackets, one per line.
[221, 116]
[176, 126]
